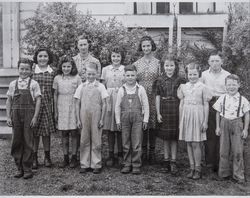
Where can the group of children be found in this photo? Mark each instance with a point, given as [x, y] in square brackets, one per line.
[134, 104]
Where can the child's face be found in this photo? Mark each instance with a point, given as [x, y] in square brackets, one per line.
[91, 74]
[24, 70]
[215, 62]
[146, 47]
[83, 46]
[66, 68]
[232, 86]
[169, 68]
[130, 77]
[193, 75]
[42, 58]
[116, 58]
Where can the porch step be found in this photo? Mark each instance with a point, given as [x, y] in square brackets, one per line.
[3, 120]
[3, 110]
[3, 99]
[5, 132]
[3, 89]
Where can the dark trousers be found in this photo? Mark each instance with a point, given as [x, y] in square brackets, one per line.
[22, 139]
[231, 144]
[212, 145]
[132, 138]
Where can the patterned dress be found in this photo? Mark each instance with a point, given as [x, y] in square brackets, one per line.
[193, 111]
[114, 78]
[66, 87]
[45, 121]
[82, 64]
[147, 73]
[166, 88]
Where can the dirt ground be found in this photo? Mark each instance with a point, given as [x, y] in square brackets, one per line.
[152, 181]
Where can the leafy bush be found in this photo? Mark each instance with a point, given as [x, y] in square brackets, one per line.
[57, 25]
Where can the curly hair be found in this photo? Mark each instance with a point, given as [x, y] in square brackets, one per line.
[147, 38]
[67, 59]
[25, 61]
[176, 63]
[43, 49]
[193, 65]
[82, 37]
[117, 50]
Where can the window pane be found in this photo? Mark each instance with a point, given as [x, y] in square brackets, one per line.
[142, 8]
[186, 8]
[1, 36]
[162, 8]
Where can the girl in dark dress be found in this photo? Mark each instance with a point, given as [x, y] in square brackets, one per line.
[167, 108]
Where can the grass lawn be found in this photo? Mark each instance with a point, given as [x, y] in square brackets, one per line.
[152, 181]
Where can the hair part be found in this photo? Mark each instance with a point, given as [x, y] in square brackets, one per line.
[92, 65]
[232, 77]
[216, 53]
[147, 38]
[130, 68]
[191, 66]
[82, 37]
[25, 61]
[43, 49]
[67, 59]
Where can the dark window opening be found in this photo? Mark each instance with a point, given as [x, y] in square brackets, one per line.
[162, 8]
[185, 8]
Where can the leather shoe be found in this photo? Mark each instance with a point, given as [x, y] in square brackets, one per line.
[19, 174]
[97, 170]
[28, 175]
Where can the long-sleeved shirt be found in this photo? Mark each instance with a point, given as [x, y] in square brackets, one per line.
[143, 99]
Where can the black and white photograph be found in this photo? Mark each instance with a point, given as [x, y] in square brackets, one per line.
[124, 98]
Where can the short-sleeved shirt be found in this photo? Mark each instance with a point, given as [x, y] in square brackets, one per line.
[23, 84]
[101, 88]
[215, 81]
[82, 64]
[113, 76]
[231, 106]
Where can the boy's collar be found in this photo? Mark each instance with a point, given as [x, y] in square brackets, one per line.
[136, 85]
[38, 70]
[236, 95]
[210, 70]
[23, 79]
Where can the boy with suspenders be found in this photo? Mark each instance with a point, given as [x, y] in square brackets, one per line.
[232, 120]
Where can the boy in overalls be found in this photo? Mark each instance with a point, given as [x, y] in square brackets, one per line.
[231, 108]
[91, 106]
[132, 114]
[23, 104]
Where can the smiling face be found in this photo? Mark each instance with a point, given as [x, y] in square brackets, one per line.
[91, 74]
[66, 68]
[130, 77]
[42, 59]
[169, 67]
[83, 46]
[146, 47]
[215, 62]
[193, 75]
[24, 70]
[116, 58]
[232, 86]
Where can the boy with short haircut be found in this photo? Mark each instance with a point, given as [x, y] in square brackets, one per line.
[231, 109]
[23, 104]
[132, 114]
[91, 106]
[214, 79]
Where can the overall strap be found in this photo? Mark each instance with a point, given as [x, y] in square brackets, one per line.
[125, 91]
[29, 84]
[223, 106]
[238, 111]
[137, 91]
[16, 85]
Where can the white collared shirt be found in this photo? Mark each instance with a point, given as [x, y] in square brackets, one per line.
[38, 70]
[215, 81]
[231, 106]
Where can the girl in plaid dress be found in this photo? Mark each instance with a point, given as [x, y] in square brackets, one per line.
[167, 108]
[148, 70]
[44, 75]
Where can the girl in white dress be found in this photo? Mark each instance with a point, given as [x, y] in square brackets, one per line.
[193, 108]
[65, 84]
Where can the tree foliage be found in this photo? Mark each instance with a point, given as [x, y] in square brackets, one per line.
[57, 25]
